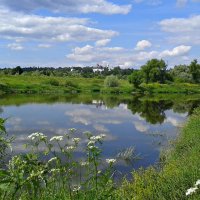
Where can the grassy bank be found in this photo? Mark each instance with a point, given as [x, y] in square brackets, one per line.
[61, 85]
[58, 85]
[176, 88]
[180, 170]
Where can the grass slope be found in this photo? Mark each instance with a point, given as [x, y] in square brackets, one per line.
[180, 172]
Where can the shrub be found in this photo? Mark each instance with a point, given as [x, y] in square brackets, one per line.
[54, 82]
[111, 81]
[69, 83]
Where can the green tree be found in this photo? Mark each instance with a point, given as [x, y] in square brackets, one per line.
[17, 70]
[111, 81]
[136, 78]
[195, 71]
[154, 71]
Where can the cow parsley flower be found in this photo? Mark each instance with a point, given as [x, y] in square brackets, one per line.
[76, 140]
[191, 191]
[57, 138]
[197, 183]
[111, 161]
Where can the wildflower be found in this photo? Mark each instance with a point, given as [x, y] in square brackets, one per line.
[91, 143]
[38, 135]
[54, 170]
[76, 188]
[92, 147]
[110, 161]
[76, 140]
[84, 163]
[72, 130]
[98, 137]
[197, 183]
[191, 190]
[52, 159]
[57, 138]
[70, 148]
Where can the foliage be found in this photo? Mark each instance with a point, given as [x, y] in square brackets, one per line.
[195, 71]
[53, 82]
[17, 70]
[59, 175]
[154, 71]
[111, 81]
[179, 173]
[136, 78]
[5, 141]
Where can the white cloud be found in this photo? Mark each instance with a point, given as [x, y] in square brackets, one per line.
[16, 26]
[92, 55]
[68, 6]
[181, 3]
[46, 46]
[149, 2]
[182, 30]
[141, 126]
[177, 51]
[101, 43]
[15, 46]
[143, 44]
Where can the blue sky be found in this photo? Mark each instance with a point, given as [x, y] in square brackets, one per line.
[89, 32]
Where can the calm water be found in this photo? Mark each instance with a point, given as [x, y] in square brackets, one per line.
[146, 124]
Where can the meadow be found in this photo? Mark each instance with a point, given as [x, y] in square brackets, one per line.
[63, 85]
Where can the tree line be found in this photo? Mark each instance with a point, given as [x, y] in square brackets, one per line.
[156, 71]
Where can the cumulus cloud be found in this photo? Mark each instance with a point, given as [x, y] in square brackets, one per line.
[182, 30]
[101, 43]
[46, 46]
[149, 2]
[143, 44]
[128, 57]
[181, 3]
[15, 46]
[68, 6]
[177, 51]
[17, 26]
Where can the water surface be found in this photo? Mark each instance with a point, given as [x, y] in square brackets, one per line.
[145, 123]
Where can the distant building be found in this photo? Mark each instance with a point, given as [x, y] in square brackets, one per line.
[98, 68]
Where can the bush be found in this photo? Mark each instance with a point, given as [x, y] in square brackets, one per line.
[111, 81]
[53, 82]
[69, 83]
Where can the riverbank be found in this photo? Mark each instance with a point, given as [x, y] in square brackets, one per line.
[180, 169]
[62, 85]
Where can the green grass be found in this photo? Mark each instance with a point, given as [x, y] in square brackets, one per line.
[186, 88]
[180, 171]
[59, 85]
[62, 85]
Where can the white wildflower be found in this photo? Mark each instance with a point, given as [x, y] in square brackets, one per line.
[91, 143]
[54, 170]
[110, 161]
[38, 135]
[72, 130]
[52, 159]
[191, 191]
[70, 148]
[197, 183]
[76, 188]
[84, 163]
[76, 140]
[57, 138]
